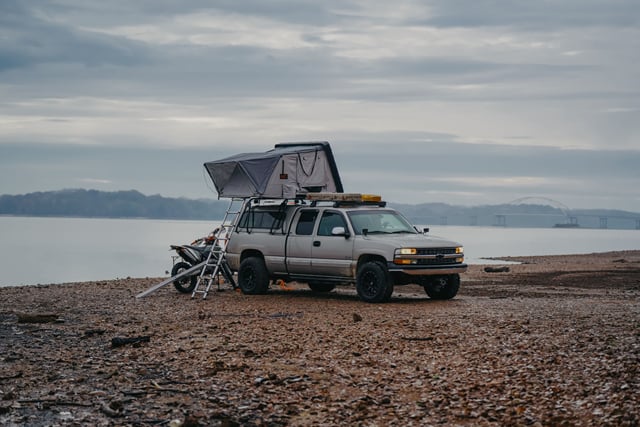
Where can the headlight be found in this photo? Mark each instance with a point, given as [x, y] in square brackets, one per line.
[407, 251]
[459, 250]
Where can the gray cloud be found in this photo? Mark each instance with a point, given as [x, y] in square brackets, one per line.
[448, 100]
[30, 40]
[548, 15]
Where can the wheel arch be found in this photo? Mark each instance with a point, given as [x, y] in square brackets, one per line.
[364, 258]
[247, 253]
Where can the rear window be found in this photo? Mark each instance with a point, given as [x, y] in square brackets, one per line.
[270, 220]
[306, 222]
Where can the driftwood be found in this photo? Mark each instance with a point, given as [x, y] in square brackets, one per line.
[120, 341]
[154, 387]
[11, 376]
[502, 269]
[417, 338]
[56, 402]
[38, 318]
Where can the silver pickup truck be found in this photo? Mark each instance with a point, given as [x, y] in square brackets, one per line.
[333, 239]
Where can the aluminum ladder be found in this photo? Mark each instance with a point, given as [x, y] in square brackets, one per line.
[216, 263]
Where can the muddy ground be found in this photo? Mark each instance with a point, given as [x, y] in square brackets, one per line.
[553, 341]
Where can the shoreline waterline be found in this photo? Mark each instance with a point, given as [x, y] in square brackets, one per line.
[40, 250]
[539, 263]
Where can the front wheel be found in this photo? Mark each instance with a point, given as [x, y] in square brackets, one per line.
[253, 277]
[185, 284]
[373, 282]
[442, 287]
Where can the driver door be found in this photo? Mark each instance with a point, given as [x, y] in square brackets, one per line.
[331, 255]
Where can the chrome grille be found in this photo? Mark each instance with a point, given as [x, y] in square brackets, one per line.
[436, 251]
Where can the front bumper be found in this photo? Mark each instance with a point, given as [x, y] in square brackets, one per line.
[427, 270]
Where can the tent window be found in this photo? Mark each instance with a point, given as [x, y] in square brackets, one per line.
[313, 165]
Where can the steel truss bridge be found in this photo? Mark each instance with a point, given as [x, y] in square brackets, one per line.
[570, 219]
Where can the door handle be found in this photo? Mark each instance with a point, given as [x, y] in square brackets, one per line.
[316, 243]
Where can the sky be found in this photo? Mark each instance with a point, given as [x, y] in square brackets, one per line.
[459, 102]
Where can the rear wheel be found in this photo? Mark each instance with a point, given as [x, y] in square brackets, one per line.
[442, 287]
[321, 286]
[185, 284]
[253, 277]
[373, 282]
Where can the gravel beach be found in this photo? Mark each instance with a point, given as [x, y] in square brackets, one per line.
[554, 340]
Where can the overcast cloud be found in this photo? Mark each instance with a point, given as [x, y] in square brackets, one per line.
[451, 101]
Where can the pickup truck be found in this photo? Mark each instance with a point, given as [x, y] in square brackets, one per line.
[332, 239]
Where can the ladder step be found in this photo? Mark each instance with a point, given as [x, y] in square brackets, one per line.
[215, 263]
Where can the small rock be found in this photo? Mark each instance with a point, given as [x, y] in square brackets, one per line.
[191, 421]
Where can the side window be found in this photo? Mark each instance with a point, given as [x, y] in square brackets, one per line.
[305, 222]
[328, 221]
[261, 219]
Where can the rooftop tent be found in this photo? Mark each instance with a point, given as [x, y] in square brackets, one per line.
[286, 171]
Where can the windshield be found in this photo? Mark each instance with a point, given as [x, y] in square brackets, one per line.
[380, 222]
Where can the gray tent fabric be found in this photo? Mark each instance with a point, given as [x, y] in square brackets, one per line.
[287, 171]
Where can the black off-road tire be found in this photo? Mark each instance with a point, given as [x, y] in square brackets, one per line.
[185, 284]
[321, 287]
[253, 278]
[442, 287]
[373, 282]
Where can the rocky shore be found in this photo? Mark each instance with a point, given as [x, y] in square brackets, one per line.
[550, 341]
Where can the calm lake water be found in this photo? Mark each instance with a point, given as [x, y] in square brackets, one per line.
[59, 250]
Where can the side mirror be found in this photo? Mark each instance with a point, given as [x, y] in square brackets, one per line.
[339, 231]
[425, 230]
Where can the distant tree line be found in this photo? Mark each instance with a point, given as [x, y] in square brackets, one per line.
[102, 204]
[133, 204]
